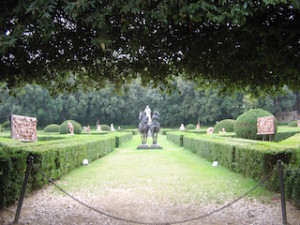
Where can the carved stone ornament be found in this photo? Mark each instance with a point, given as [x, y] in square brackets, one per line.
[266, 125]
[23, 128]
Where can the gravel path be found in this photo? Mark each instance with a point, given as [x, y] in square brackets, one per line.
[49, 207]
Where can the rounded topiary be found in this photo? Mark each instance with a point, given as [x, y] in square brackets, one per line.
[293, 124]
[63, 129]
[246, 124]
[227, 124]
[190, 127]
[52, 128]
[105, 127]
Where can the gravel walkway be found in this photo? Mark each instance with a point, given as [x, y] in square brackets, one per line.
[49, 207]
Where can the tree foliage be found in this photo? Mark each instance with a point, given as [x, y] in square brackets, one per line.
[186, 105]
[250, 45]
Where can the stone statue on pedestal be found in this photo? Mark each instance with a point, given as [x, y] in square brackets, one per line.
[155, 128]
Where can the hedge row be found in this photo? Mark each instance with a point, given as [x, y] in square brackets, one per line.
[246, 157]
[291, 184]
[54, 157]
[252, 158]
[12, 167]
[176, 137]
[280, 136]
[121, 137]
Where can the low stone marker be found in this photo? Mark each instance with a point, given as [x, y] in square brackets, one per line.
[23, 128]
[298, 123]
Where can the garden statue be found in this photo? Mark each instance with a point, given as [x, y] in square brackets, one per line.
[155, 127]
[148, 113]
[112, 127]
[87, 129]
[143, 127]
[210, 130]
[99, 128]
[182, 127]
[71, 127]
[198, 125]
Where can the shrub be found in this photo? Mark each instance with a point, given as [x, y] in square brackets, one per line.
[63, 129]
[52, 128]
[176, 137]
[54, 158]
[105, 127]
[248, 157]
[293, 124]
[228, 124]
[246, 124]
[190, 127]
[12, 171]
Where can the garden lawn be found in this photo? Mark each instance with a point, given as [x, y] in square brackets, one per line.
[173, 175]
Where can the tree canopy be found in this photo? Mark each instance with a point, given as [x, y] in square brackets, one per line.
[251, 45]
[104, 106]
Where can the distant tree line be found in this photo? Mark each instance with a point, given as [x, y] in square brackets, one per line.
[183, 105]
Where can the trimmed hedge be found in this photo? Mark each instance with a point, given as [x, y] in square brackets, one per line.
[165, 130]
[249, 157]
[280, 136]
[12, 169]
[121, 137]
[52, 128]
[54, 157]
[190, 127]
[293, 124]
[228, 124]
[176, 137]
[105, 127]
[63, 129]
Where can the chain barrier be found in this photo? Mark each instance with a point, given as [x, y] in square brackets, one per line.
[267, 177]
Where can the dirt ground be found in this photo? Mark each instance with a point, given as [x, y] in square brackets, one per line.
[48, 207]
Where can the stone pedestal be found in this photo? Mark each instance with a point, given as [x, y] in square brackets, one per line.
[156, 146]
[143, 146]
[147, 147]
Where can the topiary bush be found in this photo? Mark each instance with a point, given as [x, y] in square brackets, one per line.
[246, 124]
[52, 128]
[190, 127]
[228, 124]
[105, 127]
[293, 124]
[63, 129]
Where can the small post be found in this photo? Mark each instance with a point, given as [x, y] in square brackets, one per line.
[22, 194]
[283, 208]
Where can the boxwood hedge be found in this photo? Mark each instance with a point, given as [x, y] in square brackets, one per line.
[253, 158]
[55, 157]
[227, 124]
[52, 128]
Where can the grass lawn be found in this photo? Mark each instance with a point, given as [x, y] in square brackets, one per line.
[173, 174]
